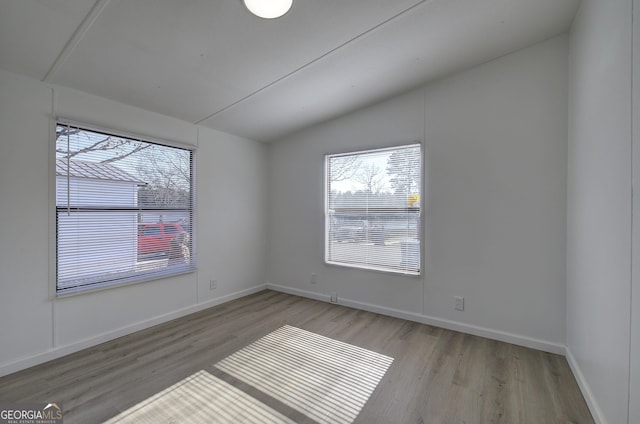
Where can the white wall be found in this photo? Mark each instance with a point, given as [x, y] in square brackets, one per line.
[634, 395]
[495, 153]
[231, 235]
[25, 309]
[599, 206]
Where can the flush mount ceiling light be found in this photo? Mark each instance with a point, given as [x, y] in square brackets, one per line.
[268, 9]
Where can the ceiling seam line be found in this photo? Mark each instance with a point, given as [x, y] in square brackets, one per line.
[75, 38]
[317, 59]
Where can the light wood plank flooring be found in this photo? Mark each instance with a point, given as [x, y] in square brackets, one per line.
[437, 376]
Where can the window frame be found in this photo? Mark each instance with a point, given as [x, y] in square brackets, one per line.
[53, 207]
[421, 219]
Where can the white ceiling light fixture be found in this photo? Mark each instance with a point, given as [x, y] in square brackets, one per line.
[268, 9]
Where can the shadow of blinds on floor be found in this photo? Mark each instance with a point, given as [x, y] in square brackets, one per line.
[200, 398]
[327, 380]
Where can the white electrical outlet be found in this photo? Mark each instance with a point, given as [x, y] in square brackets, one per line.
[213, 284]
[334, 297]
[459, 303]
[314, 278]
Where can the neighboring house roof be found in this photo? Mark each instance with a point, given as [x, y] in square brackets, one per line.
[94, 170]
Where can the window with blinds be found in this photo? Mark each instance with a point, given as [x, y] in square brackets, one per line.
[373, 209]
[124, 209]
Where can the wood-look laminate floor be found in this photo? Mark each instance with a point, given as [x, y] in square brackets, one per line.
[437, 375]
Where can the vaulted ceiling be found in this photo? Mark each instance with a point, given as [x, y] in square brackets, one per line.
[213, 63]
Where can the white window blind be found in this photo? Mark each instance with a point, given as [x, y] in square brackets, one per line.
[373, 209]
[124, 209]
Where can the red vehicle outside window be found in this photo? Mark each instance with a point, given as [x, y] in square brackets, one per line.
[155, 237]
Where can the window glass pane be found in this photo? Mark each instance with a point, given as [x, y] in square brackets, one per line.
[151, 231]
[114, 197]
[373, 209]
[171, 229]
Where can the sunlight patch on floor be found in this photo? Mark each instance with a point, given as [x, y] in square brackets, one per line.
[200, 398]
[325, 379]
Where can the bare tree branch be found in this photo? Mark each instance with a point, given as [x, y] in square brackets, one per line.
[344, 167]
[371, 176]
[136, 149]
[108, 143]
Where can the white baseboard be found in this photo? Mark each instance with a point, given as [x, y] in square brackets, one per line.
[595, 410]
[489, 333]
[58, 352]
[297, 292]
